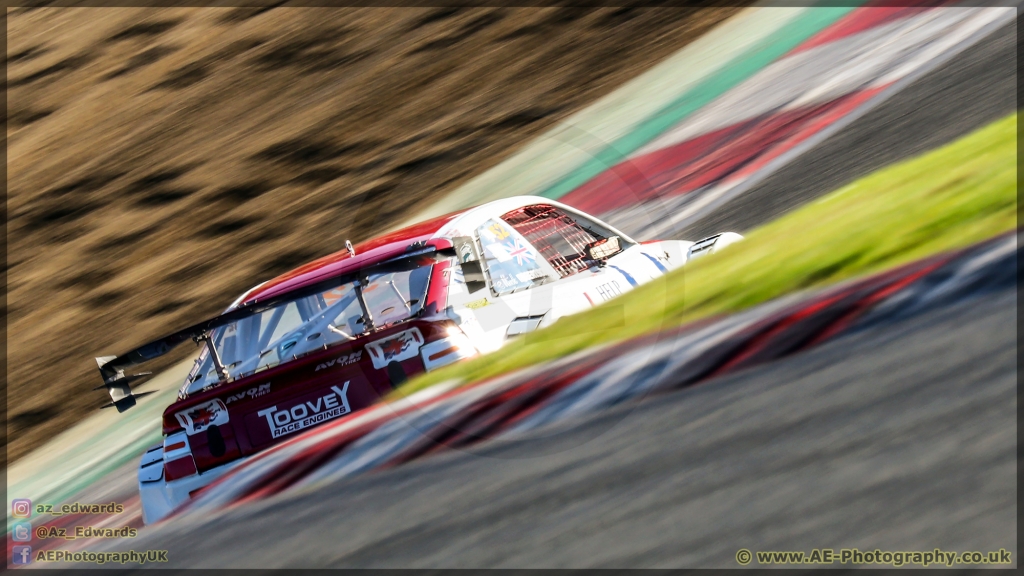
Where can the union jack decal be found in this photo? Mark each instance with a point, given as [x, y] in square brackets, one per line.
[519, 251]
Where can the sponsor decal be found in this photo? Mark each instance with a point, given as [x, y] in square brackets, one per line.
[395, 348]
[202, 416]
[254, 392]
[343, 360]
[530, 275]
[607, 291]
[477, 303]
[308, 413]
[498, 231]
[519, 251]
[513, 249]
[510, 260]
[505, 283]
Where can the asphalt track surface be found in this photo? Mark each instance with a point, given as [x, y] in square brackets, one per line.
[900, 437]
[976, 87]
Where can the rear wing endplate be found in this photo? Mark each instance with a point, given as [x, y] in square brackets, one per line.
[711, 244]
[119, 386]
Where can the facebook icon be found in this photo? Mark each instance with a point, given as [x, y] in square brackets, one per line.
[21, 554]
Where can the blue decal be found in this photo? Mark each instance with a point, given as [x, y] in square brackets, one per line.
[656, 263]
[628, 277]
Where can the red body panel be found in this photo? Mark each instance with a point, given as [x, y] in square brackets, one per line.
[274, 404]
[301, 387]
[306, 387]
[367, 253]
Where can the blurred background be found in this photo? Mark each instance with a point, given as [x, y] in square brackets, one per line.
[856, 355]
[162, 161]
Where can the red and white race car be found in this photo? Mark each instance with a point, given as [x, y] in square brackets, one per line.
[335, 335]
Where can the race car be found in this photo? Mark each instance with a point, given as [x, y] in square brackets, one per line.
[336, 335]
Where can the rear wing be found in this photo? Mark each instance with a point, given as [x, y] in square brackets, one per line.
[711, 244]
[112, 368]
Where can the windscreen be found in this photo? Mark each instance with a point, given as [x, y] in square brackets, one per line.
[306, 324]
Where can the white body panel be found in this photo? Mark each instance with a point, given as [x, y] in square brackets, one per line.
[490, 319]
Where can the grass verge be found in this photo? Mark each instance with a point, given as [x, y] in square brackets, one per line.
[948, 198]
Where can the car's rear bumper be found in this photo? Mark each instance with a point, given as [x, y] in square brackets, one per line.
[159, 498]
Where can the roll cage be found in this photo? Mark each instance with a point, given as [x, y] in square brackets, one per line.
[112, 368]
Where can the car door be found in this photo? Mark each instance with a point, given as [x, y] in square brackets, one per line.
[519, 284]
[537, 268]
[556, 242]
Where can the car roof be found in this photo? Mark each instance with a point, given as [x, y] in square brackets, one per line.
[341, 262]
[390, 245]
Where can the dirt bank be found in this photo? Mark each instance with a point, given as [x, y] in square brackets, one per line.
[160, 161]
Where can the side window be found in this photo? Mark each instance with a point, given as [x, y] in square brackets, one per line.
[511, 262]
[559, 238]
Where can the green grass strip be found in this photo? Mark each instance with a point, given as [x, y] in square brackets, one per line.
[949, 198]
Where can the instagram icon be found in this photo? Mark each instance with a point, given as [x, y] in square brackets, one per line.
[21, 508]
